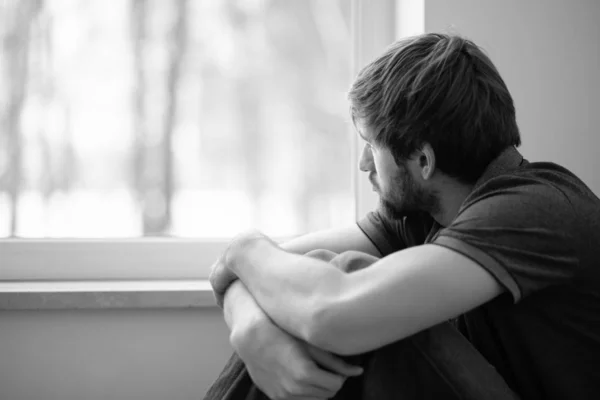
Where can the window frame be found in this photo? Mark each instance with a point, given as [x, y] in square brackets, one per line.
[157, 259]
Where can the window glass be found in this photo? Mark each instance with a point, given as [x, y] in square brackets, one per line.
[192, 118]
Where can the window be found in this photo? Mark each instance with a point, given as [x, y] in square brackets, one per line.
[191, 119]
[187, 118]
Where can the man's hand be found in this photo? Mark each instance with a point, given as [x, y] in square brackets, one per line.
[284, 367]
[220, 278]
[221, 275]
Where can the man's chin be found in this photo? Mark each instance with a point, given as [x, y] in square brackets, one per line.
[390, 210]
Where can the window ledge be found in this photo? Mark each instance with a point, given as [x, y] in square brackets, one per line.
[53, 295]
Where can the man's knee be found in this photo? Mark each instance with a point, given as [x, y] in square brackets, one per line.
[348, 261]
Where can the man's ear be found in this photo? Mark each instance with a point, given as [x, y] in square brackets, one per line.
[426, 161]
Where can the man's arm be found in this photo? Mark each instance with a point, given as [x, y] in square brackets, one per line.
[239, 305]
[242, 312]
[399, 295]
[337, 240]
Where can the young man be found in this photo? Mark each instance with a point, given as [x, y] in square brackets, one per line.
[467, 230]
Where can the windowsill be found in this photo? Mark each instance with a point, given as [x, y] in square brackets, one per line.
[49, 295]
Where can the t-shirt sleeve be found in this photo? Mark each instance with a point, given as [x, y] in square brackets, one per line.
[390, 236]
[523, 234]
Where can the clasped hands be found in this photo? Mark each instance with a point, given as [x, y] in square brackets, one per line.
[222, 273]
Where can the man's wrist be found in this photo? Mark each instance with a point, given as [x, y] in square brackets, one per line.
[248, 325]
[249, 329]
[226, 289]
[230, 294]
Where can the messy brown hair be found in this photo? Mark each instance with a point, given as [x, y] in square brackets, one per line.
[438, 89]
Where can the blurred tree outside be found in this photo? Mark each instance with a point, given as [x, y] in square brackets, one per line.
[186, 118]
[17, 26]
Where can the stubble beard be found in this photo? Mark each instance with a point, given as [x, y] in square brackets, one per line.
[407, 197]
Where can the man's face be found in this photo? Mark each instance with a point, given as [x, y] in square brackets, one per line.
[397, 185]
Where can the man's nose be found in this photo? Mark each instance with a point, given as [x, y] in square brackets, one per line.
[365, 163]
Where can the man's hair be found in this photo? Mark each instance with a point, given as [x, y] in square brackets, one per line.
[438, 89]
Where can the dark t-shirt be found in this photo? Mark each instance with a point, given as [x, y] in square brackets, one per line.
[536, 228]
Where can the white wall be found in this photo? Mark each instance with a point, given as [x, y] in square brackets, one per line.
[548, 52]
[112, 354]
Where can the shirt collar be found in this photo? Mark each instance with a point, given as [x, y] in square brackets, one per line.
[509, 160]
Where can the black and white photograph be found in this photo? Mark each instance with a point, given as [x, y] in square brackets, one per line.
[299, 199]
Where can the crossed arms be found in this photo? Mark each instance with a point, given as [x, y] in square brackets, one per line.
[397, 296]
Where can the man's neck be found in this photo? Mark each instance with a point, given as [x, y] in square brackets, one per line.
[452, 194]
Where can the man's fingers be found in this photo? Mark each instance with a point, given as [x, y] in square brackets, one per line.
[333, 363]
[220, 277]
[329, 381]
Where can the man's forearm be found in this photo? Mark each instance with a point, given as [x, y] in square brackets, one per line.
[337, 240]
[240, 308]
[290, 288]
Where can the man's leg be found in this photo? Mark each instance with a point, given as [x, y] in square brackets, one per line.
[234, 383]
[436, 363]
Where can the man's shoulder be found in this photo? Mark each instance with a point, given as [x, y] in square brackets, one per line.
[535, 182]
[538, 197]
